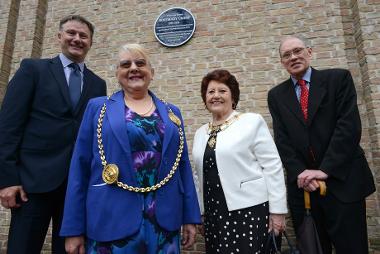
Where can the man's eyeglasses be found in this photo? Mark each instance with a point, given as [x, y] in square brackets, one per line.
[288, 54]
[128, 63]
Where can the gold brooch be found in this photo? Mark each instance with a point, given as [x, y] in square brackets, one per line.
[174, 118]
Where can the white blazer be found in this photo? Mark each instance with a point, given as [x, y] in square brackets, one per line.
[249, 166]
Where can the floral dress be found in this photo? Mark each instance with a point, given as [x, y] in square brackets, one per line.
[145, 137]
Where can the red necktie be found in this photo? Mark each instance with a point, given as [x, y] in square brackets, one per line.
[304, 97]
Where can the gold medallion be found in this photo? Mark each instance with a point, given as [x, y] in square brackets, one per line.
[110, 173]
[174, 118]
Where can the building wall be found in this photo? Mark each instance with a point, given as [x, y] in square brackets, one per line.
[241, 36]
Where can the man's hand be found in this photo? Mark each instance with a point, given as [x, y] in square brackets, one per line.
[312, 186]
[305, 179]
[75, 245]
[188, 235]
[8, 196]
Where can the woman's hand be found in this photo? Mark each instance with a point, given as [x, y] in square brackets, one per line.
[201, 229]
[276, 223]
[188, 235]
[75, 245]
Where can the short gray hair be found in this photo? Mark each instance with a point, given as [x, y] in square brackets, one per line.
[305, 41]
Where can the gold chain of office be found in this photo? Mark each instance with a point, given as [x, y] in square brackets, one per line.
[110, 172]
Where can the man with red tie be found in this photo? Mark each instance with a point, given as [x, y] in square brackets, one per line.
[317, 131]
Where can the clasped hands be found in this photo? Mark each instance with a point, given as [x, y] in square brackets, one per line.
[308, 179]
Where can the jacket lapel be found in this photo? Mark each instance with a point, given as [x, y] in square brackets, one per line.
[115, 116]
[169, 152]
[291, 101]
[56, 68]
[316, 94]
[170, 127]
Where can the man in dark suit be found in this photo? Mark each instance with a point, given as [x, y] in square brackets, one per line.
[317, 131]
[39, 119]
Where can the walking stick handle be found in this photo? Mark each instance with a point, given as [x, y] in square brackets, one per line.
[322, 192]
[322, 188]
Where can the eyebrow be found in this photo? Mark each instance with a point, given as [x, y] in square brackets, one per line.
[124, 62]
[130, 61]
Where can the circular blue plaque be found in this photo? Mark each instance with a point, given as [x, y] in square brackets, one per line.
[174, 27]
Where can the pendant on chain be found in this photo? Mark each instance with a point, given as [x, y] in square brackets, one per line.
[212, 141]
[214, 130]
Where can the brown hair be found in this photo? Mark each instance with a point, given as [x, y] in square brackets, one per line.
[79, 19]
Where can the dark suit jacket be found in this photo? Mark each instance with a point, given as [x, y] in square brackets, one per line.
[333, 133]
[38, 126]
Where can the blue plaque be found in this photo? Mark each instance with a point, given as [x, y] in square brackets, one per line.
[174, 27]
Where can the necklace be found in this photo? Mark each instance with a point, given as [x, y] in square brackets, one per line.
[110, 173]
[213, 130]
[147, 112]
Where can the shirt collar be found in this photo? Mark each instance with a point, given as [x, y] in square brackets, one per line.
[306, 77]
[66, 61]
[234, 112]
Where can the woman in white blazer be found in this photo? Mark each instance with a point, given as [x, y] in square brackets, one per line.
[241, 185]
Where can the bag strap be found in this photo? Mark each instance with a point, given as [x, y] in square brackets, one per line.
[290, 245]
[273, 236]
[271, 242]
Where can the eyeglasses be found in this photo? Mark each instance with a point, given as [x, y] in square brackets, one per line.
[288, 54]
[128, 63]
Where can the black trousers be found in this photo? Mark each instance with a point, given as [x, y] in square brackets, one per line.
[342, 225]
[30, 222]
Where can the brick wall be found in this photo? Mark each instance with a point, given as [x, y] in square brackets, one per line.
[241, 36]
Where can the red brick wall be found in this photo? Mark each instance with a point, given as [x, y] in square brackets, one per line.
[242, 36]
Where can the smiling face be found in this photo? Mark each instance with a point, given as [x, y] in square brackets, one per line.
[75, 40]
[219, 99]
[134, 72]
[295, 57]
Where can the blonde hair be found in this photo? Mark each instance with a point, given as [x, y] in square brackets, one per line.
[136, 49]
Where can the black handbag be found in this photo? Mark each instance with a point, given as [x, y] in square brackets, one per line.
[273, 245]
